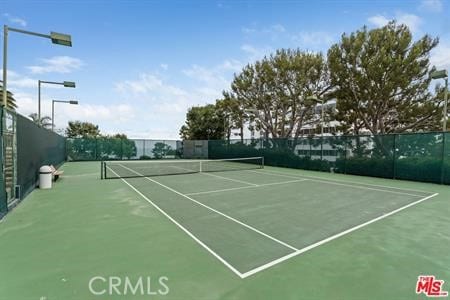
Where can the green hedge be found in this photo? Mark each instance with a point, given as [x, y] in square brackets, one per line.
[420, 169]
[376, 167]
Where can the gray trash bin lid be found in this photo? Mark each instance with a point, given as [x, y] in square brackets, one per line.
[45, 170]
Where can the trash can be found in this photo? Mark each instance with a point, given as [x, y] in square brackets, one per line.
[45, 177]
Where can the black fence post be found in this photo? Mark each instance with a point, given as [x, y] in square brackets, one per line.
[394, 157]
[121, 149]
[345, 154]
[96, 149]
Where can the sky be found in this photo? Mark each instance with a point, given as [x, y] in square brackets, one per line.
[139, 65]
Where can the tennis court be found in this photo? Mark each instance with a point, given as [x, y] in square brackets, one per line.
[251, 218]
[225, 234]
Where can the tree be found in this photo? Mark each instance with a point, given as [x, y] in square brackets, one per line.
[10, 101]
[275, 91]
[229, 108]
[203, 123]
[45, 121]
[77, 129]
[116, 146]
[381, 79]
[160, 150]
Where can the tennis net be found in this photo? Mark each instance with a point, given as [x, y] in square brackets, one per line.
[128, 169]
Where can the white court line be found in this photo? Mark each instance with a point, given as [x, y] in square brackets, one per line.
[355, 182]
[231, 179]
[245, 187]
[182, 227]
[217, 212]
[333, 237]
[337, 183]
[286, 257]
[81, 175]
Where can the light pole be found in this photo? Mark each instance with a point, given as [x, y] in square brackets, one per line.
[439, 75]
[74, 102]
[70, 84]
[57, 38]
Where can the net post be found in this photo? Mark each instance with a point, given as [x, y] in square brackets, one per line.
[262, 161]
[201, 167]
[104, 170]
[101, 170]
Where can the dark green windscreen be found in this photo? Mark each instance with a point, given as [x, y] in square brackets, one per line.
[419, 157]
[36, 146]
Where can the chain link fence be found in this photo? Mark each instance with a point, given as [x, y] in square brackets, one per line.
[418, 157]
[92, 149]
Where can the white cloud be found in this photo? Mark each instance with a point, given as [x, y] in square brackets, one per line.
[158, 100]
[378, 20]
[255, 53]
[148, 106]
[273, 29]
[314, 38]
[248, 30]
[164, 66]
[199, 73]
[26, 103]
[57, 64]
[231, 65]
[412, 21]
[213, 80]
[276, 31]
[440, 57]
[23, 82]
[277, 28]
[16, 80]
[120, 113]
[164, 105]
[149, 83]
[431, 5]
[15, 20]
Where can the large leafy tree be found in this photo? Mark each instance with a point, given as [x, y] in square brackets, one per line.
[203, 123]
[45, 121]
[116, 146]
[381, 81]
[77, 129]
[229, 109]
[275, 91]
[160, 150]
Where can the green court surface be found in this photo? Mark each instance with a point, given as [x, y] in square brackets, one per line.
[271, 233]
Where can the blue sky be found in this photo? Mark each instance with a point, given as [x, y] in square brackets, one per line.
[139, 65]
